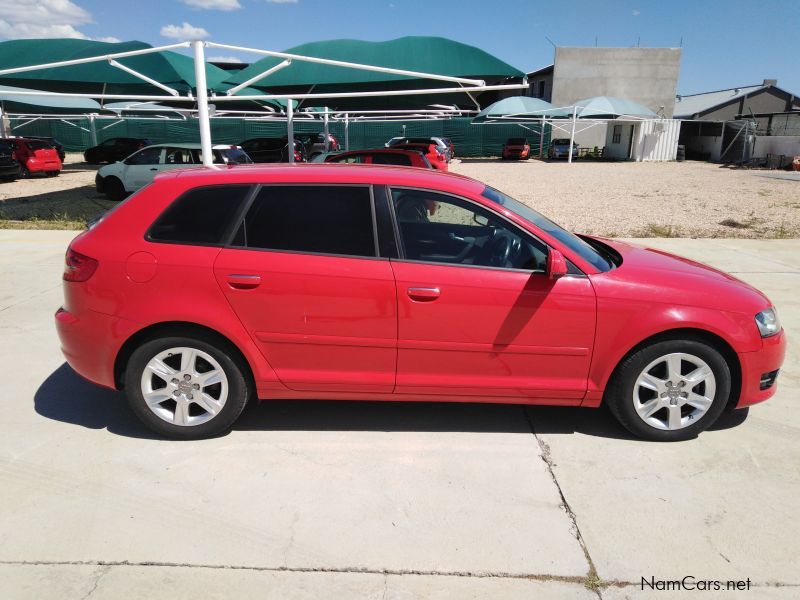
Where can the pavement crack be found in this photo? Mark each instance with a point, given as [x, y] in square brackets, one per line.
[97, 575]
[592, 580]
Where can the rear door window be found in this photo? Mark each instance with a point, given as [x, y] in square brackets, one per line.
[311, 218]
[391, 159]
[200, 216]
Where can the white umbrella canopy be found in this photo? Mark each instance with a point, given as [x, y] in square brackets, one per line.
[609, 107]
[519, 109]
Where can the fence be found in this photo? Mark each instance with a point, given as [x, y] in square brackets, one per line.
[470, 140]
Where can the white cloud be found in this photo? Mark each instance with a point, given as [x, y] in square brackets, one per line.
[636, 12]
[44, 12]
[184, 32]
[224, 59]
[109, 38]
[282, 1]
[225, 5]
[44, 19]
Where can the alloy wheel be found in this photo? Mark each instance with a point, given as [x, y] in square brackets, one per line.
[674, 391]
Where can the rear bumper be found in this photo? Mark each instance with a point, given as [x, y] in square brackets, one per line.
[757, 364]
[41, 166]
[90, 343]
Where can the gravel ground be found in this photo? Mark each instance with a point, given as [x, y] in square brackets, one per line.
[689, 199]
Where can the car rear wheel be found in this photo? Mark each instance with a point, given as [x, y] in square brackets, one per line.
[24, 173]
[670, 390]
[185, 388]
[114, 189]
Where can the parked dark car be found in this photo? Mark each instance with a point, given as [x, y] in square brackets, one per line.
[53, 142]
[272, 150]
[9, 167]
[315, 143]
[114, 149]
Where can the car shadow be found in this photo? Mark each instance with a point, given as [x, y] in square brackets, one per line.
[65, 396]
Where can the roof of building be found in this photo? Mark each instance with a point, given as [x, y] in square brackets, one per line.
[548, 70]
[690, 105]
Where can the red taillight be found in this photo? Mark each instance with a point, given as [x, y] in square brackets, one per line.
[78, 267]
[13, 155]
[297, 156]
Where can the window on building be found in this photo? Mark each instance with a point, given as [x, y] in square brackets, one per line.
[310, 218]
[616, 136]
[541, 89]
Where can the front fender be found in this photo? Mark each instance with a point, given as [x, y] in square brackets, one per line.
[623, 325]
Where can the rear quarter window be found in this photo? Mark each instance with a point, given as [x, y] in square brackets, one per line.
[200, 216]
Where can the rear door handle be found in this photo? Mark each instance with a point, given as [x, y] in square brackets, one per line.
[420, 294]
[243, 282]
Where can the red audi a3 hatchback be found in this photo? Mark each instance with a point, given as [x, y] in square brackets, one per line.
[213, 287]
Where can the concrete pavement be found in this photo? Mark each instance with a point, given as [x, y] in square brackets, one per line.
[344, 500]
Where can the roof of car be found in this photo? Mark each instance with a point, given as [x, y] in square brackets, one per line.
[334, 173]
[393, 150]
[191, 146]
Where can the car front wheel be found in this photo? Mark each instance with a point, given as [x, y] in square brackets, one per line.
[670, 390]
[185, 388]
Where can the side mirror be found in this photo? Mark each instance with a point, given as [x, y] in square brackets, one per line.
[556, 264]
[480, 219]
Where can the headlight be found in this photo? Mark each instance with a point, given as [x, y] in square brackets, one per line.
[768, 322]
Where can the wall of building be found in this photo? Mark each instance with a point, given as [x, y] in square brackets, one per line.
[787, 145]
[656, 140]
[710, 145]
[648, 76]
[620, 149]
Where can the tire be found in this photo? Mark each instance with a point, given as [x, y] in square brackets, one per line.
[52, 173]
[190, 409]
[647, 397]
[114, 189]
[24, 173]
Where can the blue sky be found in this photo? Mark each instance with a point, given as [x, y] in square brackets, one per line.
[725, 43]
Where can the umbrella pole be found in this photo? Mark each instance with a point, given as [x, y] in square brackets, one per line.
[202, 102]
[290, 129]
[346, 132]
[326, 131]
[572, 134]
[541, 140]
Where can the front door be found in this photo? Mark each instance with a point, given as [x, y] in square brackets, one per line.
[477, 314]
[305, 279]
[142, 167]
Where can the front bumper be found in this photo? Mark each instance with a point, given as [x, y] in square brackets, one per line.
[757, 364]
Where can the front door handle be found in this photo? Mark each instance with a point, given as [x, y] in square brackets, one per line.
[243, 282]
[420, 294]
[154, 169]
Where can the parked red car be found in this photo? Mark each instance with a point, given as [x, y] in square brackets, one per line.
[431, 152]
[516, 149]
[381, 156]
[36, 156]
[375, 283]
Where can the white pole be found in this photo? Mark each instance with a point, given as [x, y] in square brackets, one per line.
[572, 134]
[290, 129]
[92, 130]
[541, 140]
[326, 130]
[346, 132]
[202, 102]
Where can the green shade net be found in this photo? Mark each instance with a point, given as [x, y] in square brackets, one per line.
[169, 68]
[433, 55]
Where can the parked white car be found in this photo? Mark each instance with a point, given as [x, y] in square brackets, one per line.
[140, 168]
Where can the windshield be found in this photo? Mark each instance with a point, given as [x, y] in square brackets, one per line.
[570, 240]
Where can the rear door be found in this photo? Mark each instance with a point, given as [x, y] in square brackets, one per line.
[305, 278]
